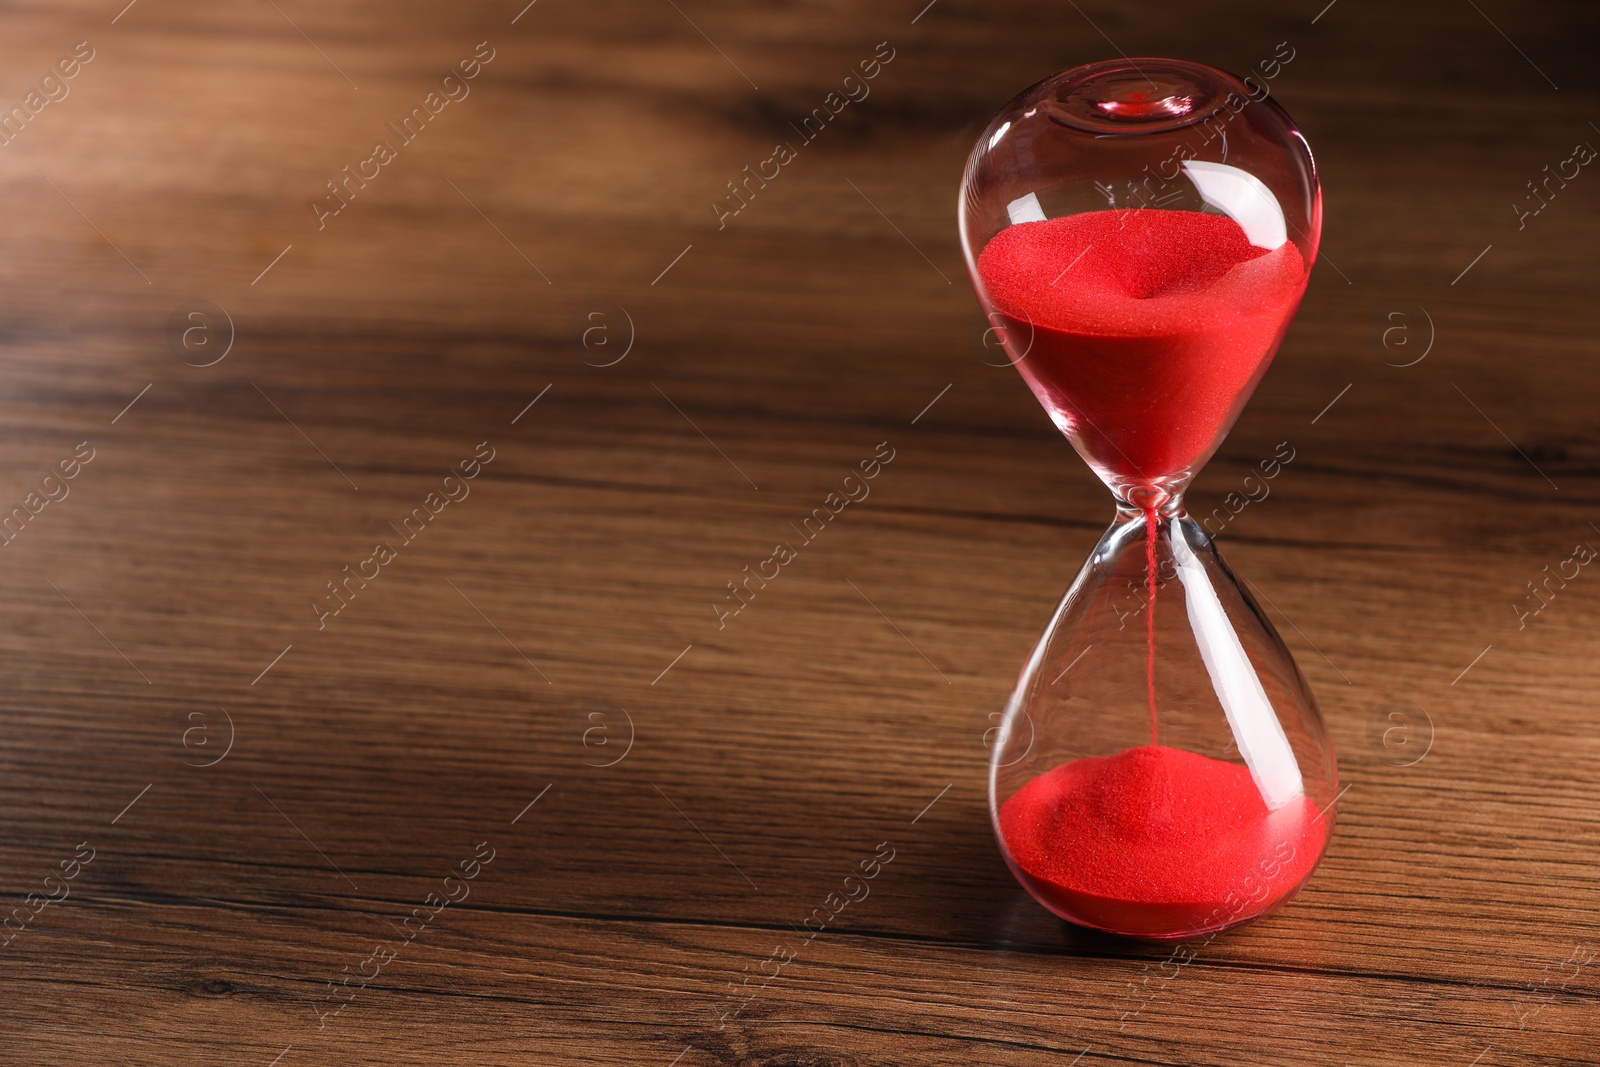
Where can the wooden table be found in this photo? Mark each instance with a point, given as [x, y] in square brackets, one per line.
[521, 800]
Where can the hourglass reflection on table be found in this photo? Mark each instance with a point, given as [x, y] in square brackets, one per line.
[1140, 233]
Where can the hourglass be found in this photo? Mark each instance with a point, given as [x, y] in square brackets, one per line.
[1140, 233]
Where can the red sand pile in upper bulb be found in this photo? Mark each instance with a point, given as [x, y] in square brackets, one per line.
[1142, 328]
[1158, 842]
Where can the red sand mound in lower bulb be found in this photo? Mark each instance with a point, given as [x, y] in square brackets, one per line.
[1158, 842]
[1142, 328]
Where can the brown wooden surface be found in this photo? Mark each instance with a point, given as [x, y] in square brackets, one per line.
[1453, 919]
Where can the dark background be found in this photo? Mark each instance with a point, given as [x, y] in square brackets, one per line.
[552, 637]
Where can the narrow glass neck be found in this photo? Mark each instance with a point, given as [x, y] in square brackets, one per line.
[1136, 502]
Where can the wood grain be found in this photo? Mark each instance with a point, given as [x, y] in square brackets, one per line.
[500, 658]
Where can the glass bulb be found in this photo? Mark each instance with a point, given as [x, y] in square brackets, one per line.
[1181, 214]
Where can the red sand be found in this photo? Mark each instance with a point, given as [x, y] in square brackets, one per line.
[1151, 529]
[1158, 842]
[1142, 330]
[1146, 325]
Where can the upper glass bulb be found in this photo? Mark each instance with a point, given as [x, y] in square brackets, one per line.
[1140, 233]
